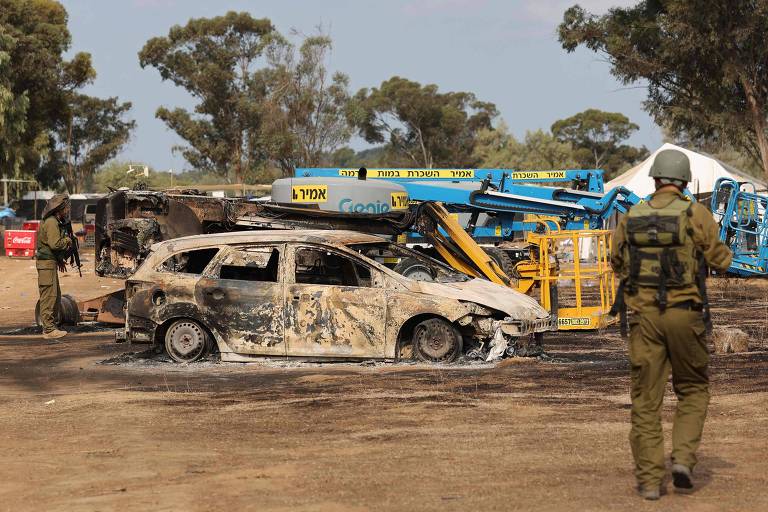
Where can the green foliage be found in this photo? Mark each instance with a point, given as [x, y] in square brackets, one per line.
[377, 156]
[305, 108]
[542, 151]
[114, 174]
[702, 60]
[497, 148]
[13, 110]
[342, 157]
[215, 59]
[420, 125]
[539, 151]
[596, 137]
[739, 160]
[93, 133]
[34, 39]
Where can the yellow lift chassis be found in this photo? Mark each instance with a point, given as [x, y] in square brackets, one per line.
[543, 271]
[593, 282]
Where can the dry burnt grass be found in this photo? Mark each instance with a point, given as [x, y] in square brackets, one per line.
[741, 304]
[142, 433]
[584, 366]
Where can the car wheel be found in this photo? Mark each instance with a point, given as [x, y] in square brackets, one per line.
[186, 341]
[68, 313]
[414, 269]
[436, 341]
[502, 259]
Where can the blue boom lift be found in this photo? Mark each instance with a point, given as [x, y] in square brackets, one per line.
[498, 206]
[743, 225]
[495, 201]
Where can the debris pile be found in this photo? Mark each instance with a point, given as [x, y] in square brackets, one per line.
[729, 340]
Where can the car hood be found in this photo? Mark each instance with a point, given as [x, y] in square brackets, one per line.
[488, 294]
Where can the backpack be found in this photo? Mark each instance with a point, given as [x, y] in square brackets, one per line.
[660, 249]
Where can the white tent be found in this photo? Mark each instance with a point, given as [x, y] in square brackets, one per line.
[705, 169]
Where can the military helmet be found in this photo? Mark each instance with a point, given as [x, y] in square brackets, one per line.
[54, 204]
[671, 164]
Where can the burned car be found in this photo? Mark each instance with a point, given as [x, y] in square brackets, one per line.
[319, 294]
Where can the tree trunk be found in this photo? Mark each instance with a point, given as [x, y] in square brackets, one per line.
[239, 161]
[286, 167]
[757, 113]
[762, 143]
[425, 154]
[69, 159]
[79, 180]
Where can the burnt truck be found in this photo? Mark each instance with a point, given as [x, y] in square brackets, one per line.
[128, 222]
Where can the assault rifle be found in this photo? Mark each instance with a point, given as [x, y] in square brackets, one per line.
[701, 282]
[619, 307]
[74, 252]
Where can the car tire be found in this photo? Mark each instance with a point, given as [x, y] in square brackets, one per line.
[415, 269]
[502, 259]
[68, 312]
[436, 341]
[187, 341]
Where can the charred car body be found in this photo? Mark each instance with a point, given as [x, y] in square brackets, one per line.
[319, 294]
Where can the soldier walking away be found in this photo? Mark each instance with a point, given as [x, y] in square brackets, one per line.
[663, 249]
[53, 246]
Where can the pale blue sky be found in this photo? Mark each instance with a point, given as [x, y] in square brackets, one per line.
[503, 51]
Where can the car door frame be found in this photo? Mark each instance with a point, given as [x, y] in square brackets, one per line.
[244, 346]
[172, 294]
[369, 347]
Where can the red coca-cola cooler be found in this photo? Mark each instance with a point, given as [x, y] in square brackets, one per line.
[20, 243]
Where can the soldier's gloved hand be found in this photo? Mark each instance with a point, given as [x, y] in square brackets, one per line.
[62, 266]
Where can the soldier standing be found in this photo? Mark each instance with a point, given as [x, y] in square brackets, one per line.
[662, 249]
[53, 244]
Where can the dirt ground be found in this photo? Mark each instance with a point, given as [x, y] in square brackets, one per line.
[144, 434]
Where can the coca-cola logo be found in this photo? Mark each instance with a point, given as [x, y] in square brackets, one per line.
[21, 240]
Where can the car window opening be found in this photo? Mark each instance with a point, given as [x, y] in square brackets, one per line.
[318, 266]
[408, 262]
[189, 262]
[251, 266]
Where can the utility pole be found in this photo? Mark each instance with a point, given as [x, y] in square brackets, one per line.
[6, 181]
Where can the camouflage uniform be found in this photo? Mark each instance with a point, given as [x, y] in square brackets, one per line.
[52, 246]
[669, 339]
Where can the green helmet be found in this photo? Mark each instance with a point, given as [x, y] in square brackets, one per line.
[671, 164]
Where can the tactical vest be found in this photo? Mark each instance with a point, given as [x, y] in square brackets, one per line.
[660, 248]
[44, 252]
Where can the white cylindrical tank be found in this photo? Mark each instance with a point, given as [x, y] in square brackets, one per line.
[341, 194]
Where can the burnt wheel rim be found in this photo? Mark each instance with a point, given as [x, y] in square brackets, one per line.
[419, 273]
[435, 342]
[185, 341]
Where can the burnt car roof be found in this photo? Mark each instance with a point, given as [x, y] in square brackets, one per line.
[274, 235]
